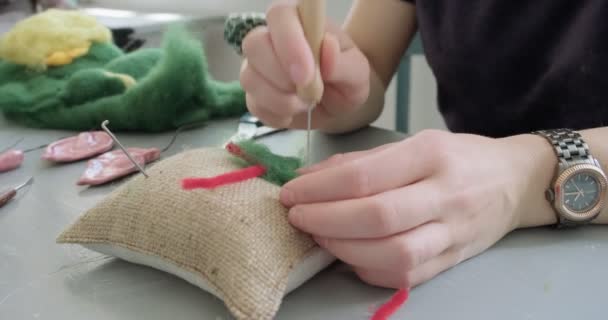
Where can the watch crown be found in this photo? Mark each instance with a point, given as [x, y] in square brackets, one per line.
[549, 195]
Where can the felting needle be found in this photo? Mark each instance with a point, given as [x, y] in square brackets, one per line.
[9, 195]
[104, 125]
[312, 17]
[11, 146]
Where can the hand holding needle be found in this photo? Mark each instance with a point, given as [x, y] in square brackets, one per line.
[9, 195]
[312, 18]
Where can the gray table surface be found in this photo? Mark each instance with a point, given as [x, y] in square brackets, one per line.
[531, 274]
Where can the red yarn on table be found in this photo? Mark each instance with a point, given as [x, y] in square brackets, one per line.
[223, 179]
[387, 309]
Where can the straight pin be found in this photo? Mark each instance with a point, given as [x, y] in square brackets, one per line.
[105, 128]
[11, 146]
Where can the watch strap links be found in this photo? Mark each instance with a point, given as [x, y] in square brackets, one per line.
[568, 145]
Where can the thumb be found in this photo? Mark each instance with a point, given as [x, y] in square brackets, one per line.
[342, 63]
[330, 52]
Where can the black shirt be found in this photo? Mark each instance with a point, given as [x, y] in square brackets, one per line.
[507, 67]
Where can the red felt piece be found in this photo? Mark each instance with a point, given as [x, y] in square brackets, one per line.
[227, 178]
[387, 309]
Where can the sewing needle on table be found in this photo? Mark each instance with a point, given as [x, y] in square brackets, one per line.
[312, 18]
[104, 125]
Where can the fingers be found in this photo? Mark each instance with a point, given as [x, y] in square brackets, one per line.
[381, 278]
[410, 278]
[405, 251]
[377, 216]
[350, 80]
[275, 107]
[287, 34]
[270, 118]
[375, 173]
[280, 54]
[434, 267]
[346, 74]
[339, 159]
[261, 55]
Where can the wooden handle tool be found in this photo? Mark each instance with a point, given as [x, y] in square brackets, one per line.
[312, 18]
[9, 195]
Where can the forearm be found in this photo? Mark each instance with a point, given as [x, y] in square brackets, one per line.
[534, 209]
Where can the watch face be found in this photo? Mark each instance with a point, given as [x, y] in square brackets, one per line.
[581, 192]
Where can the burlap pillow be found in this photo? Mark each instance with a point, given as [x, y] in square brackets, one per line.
[233, 241]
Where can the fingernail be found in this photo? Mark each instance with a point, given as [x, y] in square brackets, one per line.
[295, 217]
[322, 242]
[297, 74]
[286, 197]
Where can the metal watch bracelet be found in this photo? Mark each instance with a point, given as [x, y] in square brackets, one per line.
[569, 146]
[570, 149]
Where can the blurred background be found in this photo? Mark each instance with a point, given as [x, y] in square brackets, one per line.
[410, 101]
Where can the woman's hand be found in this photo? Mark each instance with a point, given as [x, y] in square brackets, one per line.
[402, 213]
[278, 59]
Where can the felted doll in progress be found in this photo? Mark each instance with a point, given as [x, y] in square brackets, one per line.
[60, 70]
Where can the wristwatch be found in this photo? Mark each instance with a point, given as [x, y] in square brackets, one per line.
[578, 189]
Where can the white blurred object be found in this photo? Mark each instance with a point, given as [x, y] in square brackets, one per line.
[55, 4]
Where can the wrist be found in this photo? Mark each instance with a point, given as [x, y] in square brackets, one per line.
[536, 161]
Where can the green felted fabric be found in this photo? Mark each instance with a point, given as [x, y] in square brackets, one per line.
[148, 90]
[279, 169]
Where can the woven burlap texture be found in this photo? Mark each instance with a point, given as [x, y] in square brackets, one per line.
[236, 237]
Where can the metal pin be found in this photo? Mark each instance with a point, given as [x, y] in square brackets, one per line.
[11, 146]
[105, 128]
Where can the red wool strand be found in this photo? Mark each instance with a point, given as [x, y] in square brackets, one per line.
[227, 178]
[387, 309]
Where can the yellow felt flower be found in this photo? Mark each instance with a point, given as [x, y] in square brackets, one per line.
[52, 38]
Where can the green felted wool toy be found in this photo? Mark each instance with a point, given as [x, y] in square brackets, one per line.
[279, 169]
[60, 70]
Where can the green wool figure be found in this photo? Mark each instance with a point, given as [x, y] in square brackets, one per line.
[73, 77]
[279, 169]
